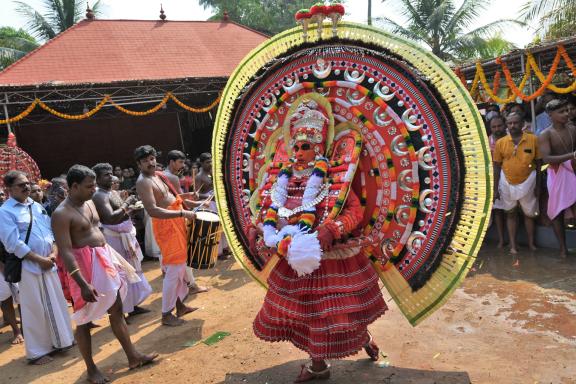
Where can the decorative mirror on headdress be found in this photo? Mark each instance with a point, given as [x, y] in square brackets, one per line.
[398, 128]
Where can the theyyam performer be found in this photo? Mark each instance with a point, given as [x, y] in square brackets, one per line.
[344, 156]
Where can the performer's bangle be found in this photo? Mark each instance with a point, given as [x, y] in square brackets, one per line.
[340, 227]
[125, 209]
[74, 271]
[181, 213]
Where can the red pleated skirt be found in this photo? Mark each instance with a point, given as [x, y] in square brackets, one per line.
[326, 313]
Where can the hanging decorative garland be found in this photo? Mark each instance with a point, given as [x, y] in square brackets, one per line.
[102, 103]
[518, 91]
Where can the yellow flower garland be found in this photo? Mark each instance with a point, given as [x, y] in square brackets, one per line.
[531, 65]
[108, 99]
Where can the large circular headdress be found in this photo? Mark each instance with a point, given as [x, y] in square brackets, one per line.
[13, 157]
[424, 173]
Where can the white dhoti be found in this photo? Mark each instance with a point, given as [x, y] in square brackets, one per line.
[45, 318]
[174, 286]
[524, 194]
[122, 238]
[152, 248]
[8, 289]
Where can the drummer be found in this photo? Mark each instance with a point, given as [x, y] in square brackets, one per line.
[176, 162]
[164, 205]
[205, 189]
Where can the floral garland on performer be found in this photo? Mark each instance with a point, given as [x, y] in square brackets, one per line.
[301, 248]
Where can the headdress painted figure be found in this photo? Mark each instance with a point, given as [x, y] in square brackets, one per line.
[395, 183]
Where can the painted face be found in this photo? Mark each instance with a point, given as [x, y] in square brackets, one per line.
[36, 193]
[303, 152]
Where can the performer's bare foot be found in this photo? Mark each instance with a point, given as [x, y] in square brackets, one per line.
[311, 372]
[516, 263]
[194, 289]
[18, 339]
[500, 245]
[184, 309]
[372, 349]
[138, 311]
[96, 376]
[170, 320]
[142, 360]
[532, 247]
[563, 253]
[43, 360]
[513, 251]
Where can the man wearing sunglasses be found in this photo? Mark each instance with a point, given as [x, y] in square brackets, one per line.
[45, 318]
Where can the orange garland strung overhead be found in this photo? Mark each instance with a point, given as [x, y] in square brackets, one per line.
[108, 99]
[518, 91]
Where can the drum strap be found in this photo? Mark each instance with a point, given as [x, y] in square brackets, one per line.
[167, 182]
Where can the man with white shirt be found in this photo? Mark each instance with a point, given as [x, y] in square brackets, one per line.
[45, 318]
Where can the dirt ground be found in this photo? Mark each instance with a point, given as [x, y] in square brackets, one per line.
[504, 325]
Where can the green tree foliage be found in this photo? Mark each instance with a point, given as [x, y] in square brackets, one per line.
[444, 27]
[14, 43]
[555, 18]
[57, 16]
[486, 48]
[267, 16]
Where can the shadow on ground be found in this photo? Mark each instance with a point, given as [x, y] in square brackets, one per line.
[350, 371]
[542, 267]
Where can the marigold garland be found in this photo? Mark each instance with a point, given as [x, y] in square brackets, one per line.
[74, 117]
[108, 99]
[518, 91]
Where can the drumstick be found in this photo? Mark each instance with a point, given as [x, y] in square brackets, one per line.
[202, 203]
[194, 179]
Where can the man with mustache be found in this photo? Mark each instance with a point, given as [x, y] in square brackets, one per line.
[165, 206]
[25, 232]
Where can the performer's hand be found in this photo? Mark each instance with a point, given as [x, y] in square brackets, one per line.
[88, 293]
[131, 200]
[189, 215]
[325, 237]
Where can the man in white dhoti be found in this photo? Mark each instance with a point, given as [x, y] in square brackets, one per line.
[120, 234]
[517, 176]
[45, 319]
[94, 271]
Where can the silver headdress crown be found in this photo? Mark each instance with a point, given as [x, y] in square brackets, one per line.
[308, 122]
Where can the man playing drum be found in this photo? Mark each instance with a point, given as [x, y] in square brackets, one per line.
[166, 209]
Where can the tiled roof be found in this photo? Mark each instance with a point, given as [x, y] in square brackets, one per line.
[105, 51]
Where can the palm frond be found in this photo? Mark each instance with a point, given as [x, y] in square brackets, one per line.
[468, 11]
[37, 24]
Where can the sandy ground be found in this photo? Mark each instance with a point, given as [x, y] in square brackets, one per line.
[504, 325]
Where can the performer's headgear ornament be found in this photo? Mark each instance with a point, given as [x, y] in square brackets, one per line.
[309, 119]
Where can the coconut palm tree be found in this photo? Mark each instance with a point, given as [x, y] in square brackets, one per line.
[442, 26]
[57, 16]
[14, 44]
[556, 18]
[488, 48]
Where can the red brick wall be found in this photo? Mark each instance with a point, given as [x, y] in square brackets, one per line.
[58, 145]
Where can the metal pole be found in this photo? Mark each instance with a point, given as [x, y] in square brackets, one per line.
[180, 130]
[532, 106]
[6, 113]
